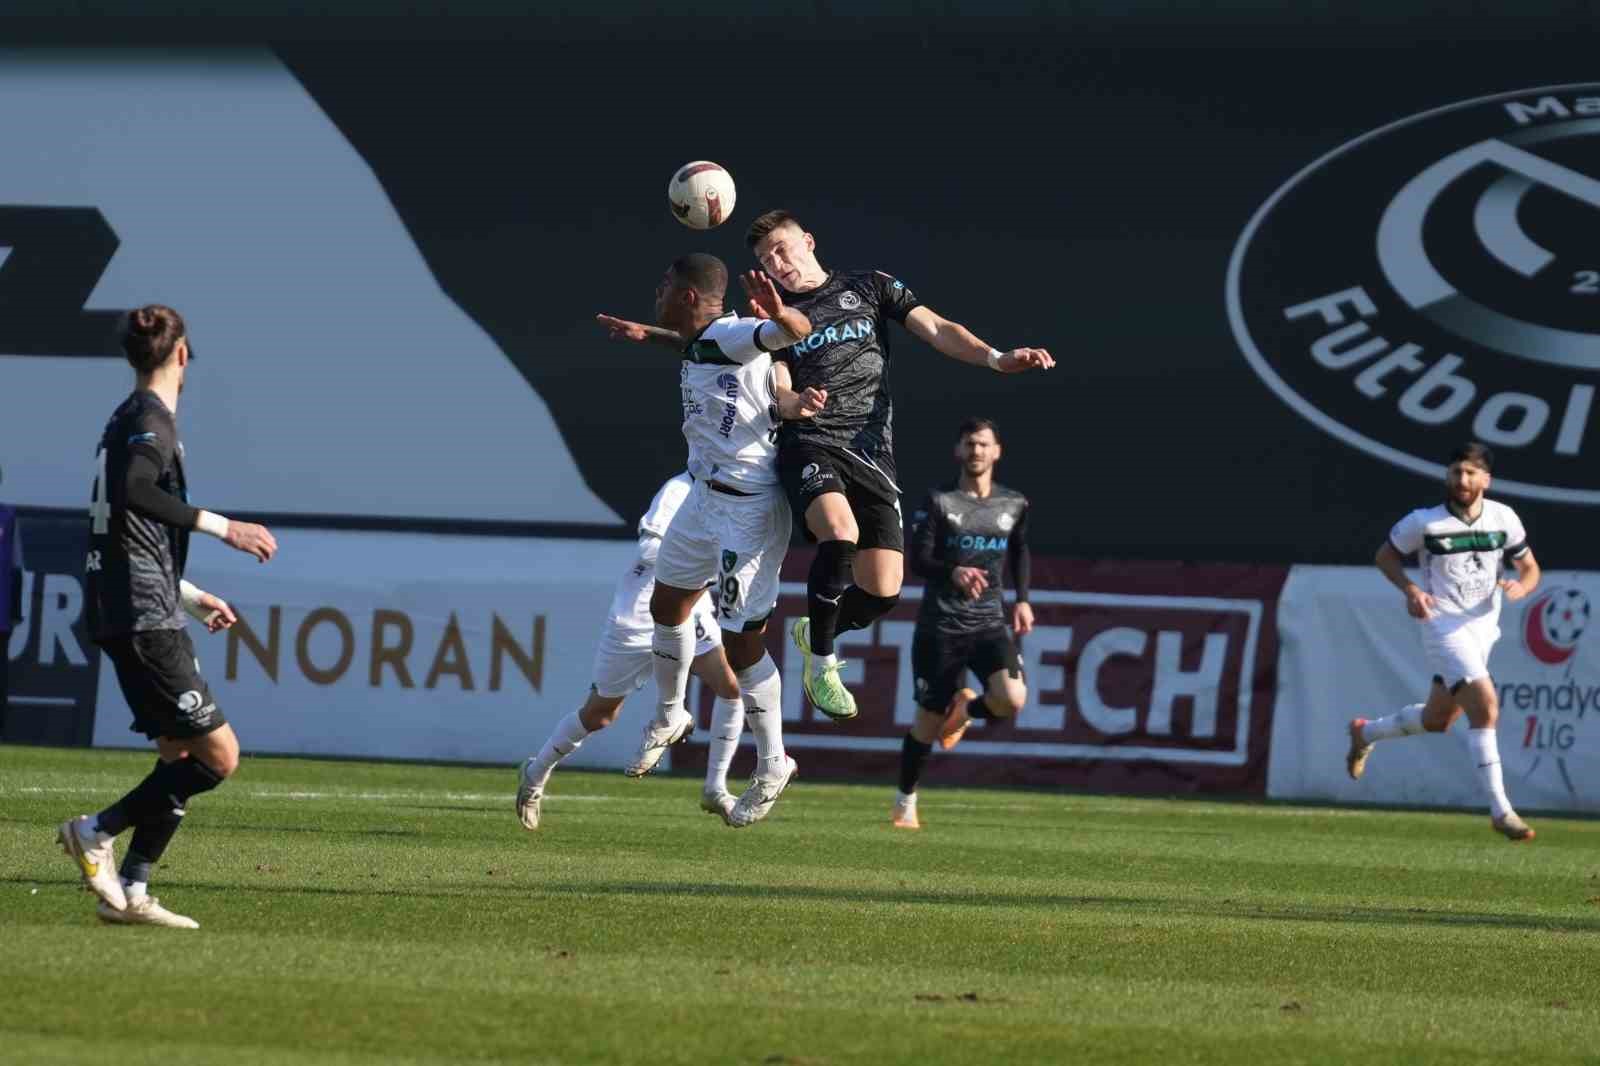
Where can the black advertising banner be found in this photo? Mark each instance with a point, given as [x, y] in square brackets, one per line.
[55, 670]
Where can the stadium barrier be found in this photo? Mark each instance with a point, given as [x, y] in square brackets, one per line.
[1349, 649]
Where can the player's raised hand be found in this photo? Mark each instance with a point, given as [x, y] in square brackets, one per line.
[1022, 619]
[764, 299]
[1418, 603]
[620, 329]
[251, 539]
[1018, 360]
[216, 614]
[1514, 590]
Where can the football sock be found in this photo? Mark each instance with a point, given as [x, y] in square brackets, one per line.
[859, 608]
[168, 787]
[1405, 722]
[979, 708]
[1486, 757]
[727, 722]
[672, 651]
[762, 688]
[149, 843]
[825, 587]
[566, 739]
[913, 753]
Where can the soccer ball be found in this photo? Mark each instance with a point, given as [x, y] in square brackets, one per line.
[701, 194]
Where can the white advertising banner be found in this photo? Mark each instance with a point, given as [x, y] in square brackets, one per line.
[404, 646]
[1349, 649]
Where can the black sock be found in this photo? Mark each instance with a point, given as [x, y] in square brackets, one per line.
[830, 574]
[166, 787]
[859, 608]
[150, 840]
[913, 753]
[979, 708]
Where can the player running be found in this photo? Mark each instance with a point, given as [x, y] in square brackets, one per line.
[963, 539]
[732, 531]
[838, 468]
[1462, 545]
[139, 525]
[622, 664]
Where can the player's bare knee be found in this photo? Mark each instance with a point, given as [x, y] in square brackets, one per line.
[672, 606]
[925, 729]
[598, 711]
[1007, 700]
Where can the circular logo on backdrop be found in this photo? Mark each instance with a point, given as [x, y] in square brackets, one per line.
[1555, 621]
[1438, 280]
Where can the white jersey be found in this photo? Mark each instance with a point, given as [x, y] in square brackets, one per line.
[1462, 562]
[730, 415]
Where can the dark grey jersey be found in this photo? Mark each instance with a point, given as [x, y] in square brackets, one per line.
[847, 353]
[135, 562]
[953, 528]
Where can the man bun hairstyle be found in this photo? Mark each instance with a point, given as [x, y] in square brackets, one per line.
[150, 335]
[1475, 453]
[766, 223]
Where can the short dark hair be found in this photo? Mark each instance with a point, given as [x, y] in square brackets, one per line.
[1475, 453]
[150, 334]
[766, 223]
[702, 272]
[974, 425]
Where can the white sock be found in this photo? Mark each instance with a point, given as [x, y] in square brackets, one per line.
[905, 799]
[819, 661]
[134, 888]
[564, 740]
[763, 707]
[727, 722]
[672, 652]
[1405, 722]
[1486, 757]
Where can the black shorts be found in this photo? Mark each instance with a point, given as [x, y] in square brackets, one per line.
[809, 470]
[160, 678]
[940, 661]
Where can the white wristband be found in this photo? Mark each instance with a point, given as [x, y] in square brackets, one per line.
[190, 595]
[213, 524]
[994, 358]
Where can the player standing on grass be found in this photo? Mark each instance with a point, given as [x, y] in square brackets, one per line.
[963, 539]
[622, 663]
[1463, 545]
[139, 525]
[732, 532]
[838, 468]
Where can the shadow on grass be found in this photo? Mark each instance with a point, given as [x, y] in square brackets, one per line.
[1154, 906]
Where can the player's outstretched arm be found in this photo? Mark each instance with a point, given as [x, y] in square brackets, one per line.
[620, 329]
[807, 403]
[765, 302]
[147, 499]
[959, 343]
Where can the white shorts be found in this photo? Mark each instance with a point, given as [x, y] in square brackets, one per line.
[1459, 655]
[733, 545]
[622, 661]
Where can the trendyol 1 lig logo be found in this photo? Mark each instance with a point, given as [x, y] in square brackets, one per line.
[1439, 279]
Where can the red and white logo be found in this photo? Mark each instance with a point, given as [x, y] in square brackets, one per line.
[1554, 624]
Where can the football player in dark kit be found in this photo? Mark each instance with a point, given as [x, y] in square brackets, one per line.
[139, 525]
[963, 539]
[838, 468]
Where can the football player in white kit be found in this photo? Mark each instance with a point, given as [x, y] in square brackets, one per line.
[622, 664]
[1463, 545]
[732, 532]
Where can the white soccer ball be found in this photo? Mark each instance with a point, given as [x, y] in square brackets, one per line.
[701, 194]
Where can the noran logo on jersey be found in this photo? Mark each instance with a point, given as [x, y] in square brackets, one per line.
[1439, 279]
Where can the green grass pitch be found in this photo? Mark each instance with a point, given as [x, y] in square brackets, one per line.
[370, 913]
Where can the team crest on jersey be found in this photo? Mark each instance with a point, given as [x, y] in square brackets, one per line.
[849, 300]
[1005, 522]
[730, 562]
